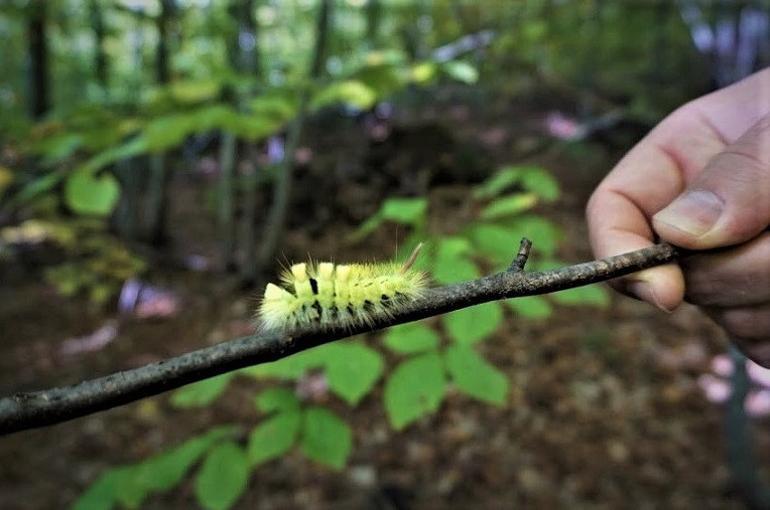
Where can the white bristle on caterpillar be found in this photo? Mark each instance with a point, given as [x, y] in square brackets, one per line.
[338, 295]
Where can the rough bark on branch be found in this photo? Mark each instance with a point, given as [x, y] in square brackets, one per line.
[47, 407]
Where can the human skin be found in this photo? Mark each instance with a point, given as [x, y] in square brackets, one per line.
[699, 180]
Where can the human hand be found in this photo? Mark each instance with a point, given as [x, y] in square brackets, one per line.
[699, 180]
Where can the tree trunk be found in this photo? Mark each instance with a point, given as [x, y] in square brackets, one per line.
[39, 99]
[276, 220]
[160, 177]
[100, 57]
[250, 62]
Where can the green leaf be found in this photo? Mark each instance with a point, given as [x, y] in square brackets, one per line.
[424, 72]
[461, 71]
[530, 307]
[450, 265]
[133, 147]
[351, 368]
[326, 438]
[530, 178]
[592, 295]
[541, 183]
[474, 376]
[36, 187]
[276, 400]
[496, 242]
[509, 205]
[274, 437]
[352, 92]
[59, 147]
[407, 211]
[411, 338]
[189, 91]
[277, 105]
[294, 366]
[500, 181]
[414, 389]
[353, 371]
[102, 494]
[201, 394]
[542, 232]
[222, 478]
[87, 194]
[165, 470]
[469, 325]
[168, 131]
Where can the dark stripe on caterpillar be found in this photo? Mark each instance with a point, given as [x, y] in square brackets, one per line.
[314, 286]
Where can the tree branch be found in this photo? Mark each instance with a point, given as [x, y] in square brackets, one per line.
[47, 407]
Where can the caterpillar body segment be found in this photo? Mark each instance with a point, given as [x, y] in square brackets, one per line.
[337, 295]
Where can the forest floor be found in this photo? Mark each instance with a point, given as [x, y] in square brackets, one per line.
[604, 409]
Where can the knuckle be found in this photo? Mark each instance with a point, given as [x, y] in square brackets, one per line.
[744, 324]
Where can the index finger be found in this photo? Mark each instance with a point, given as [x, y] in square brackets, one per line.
[647, 179]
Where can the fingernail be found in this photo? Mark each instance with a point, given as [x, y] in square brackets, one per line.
[646, 292]
[695, 212]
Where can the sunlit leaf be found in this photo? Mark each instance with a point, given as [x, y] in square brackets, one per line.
[509, 205]
[86, 193]
[351, 92]
[461, 71]
[414, 389]
[189, 91]
[424, 72]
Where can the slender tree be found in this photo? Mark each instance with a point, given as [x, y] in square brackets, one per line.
[250, 62]
[276, 219]
[100, 56]
[157, 193]
[39, 72]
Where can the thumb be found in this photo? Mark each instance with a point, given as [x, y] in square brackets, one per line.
[728, 202]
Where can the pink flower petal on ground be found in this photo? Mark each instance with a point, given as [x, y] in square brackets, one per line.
[758, 403]
[758, 375]
[93, 342]
[722, 365]
[562, 127]
[715, 389]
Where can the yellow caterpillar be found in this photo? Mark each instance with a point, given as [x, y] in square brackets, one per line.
[338, 295]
